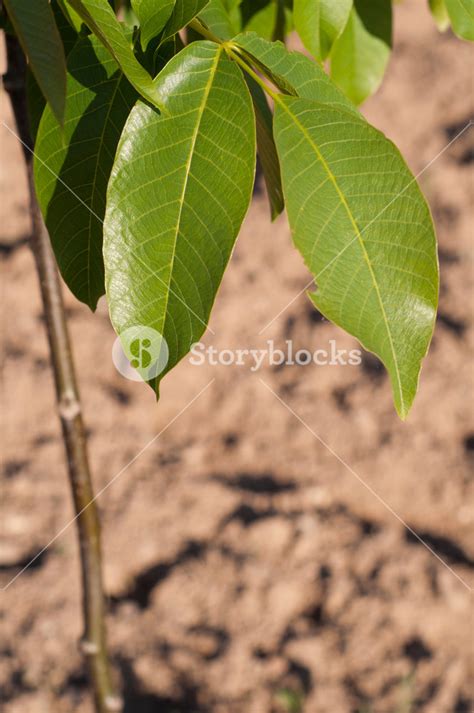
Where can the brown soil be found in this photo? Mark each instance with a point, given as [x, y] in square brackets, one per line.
[245, 562]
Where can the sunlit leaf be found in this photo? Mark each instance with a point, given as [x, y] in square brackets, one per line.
[179, 189]
[364, 229]
[461, 14]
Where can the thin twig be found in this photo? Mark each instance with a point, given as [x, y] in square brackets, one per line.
[93, 644]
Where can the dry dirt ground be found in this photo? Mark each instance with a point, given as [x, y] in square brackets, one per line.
[256, 556]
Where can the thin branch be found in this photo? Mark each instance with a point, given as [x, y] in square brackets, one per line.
[94, 644]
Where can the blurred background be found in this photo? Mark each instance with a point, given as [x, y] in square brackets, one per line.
[260, 553]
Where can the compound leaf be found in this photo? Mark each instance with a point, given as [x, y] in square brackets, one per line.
[72, 166]
[319, 23]
[180, 187]
[365, 232]
[292, 72]
[360, 55]
[100, 18]
[33, 22]
[152, 16]
[461, 14]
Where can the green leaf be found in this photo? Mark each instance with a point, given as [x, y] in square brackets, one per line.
[184, 11]
[319, 23]
[100, 18]
[33, 22]
[152, 16]
[264, 22]
[461, 14]
[292, 72]
[440, 14]
[34, 96]
[235, 15]
[217, 18]
[360, 55]
[266, 148]
[180, 187]
[69, 35]
[365, 232]
[70, 14]
[72, 166]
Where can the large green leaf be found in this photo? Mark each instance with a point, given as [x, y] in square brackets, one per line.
[179, 189]
[100, 18]
[184, 11]
[152, 16]
[319, 23]
[37, 32]
[365, 232]
[292, 72]
[360, 55]
[461, 14]
[72, 166]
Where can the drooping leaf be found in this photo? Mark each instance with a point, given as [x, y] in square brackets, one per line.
[266, 148]
[72, 166]
[440, 14]
[292, 72]
[34, 96]
[100, 18]
[360, 55]
[33, 22]
[152, 16]
[180, 187]
[365, 232]
[184, 11]
[319, 23]
[461, 14]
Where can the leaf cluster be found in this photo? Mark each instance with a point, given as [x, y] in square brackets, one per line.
[145, 159]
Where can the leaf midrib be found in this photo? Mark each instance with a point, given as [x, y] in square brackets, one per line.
[344, 202]
[201, 108]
